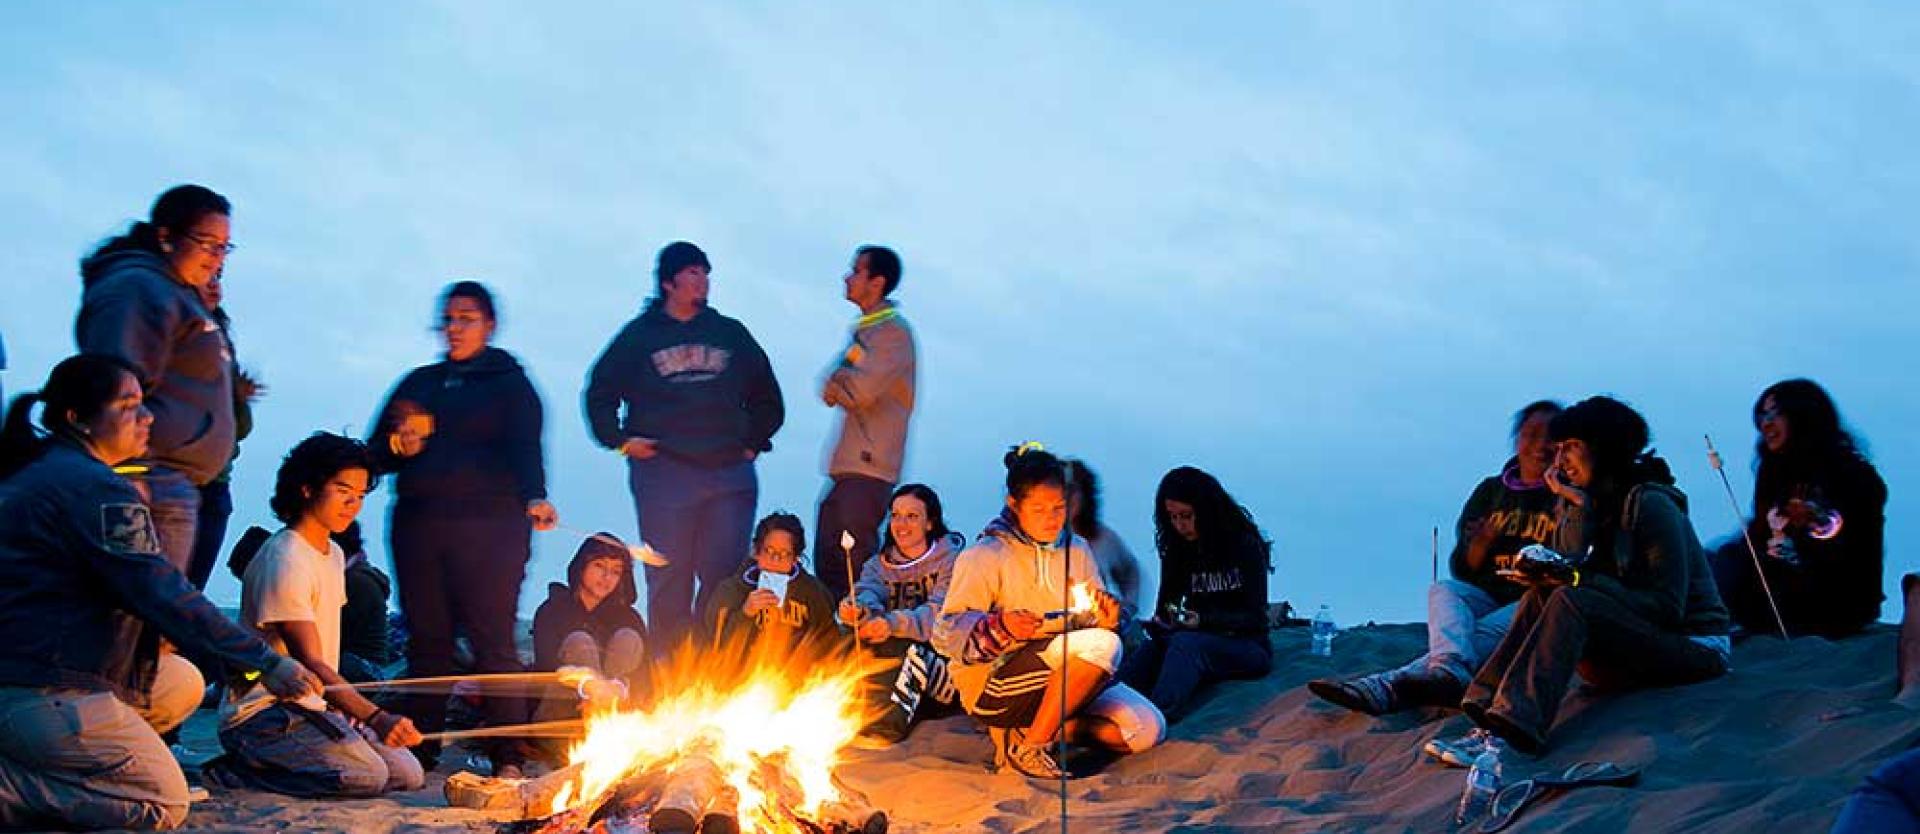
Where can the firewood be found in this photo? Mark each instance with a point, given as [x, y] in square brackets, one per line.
[689, 788]
[722, 815]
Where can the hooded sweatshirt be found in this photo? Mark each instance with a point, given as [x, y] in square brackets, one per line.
[562, 614]
[806, 616]
[1004, 570]
[1833, 587]
[1228, 590]
[1522, 513]
[1649, 560]
[134, 308]
[908, 592]
[873, 382]
[702, 389]
[483, 457]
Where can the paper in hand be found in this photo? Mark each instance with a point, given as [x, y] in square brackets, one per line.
[775, 582]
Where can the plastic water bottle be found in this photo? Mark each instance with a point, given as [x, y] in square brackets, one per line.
[1323, 630]
[1483, 782]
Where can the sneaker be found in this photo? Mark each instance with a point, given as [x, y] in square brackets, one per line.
[1459, 752]
[1034, 761]
[1370, 694]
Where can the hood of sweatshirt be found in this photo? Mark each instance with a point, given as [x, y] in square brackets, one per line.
[490, 361]
[120, 260]
[602, 546]
[1004, 528]
[941, 548]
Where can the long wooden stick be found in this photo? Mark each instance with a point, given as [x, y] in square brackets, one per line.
[541, 728]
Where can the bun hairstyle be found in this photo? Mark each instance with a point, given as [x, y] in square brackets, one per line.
[84, 385]
[1030, 465]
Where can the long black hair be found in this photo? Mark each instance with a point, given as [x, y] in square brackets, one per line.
[1816, 440]
[1223, 524]
[176, 211]
[936, 516]
[309, 466]
[1616, 438]
[1086, 487]
[83, 385]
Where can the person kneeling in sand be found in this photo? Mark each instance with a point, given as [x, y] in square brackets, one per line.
[1008, 653]
[588, 622]
[894, 608]
[1468, 613]
[1627, 597]
[773, 604]
[291, 594]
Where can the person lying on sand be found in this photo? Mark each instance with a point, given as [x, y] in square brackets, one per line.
[1468, 613]
[1624, 594]
[292, 594]
[1212, 620]
[1004, 626]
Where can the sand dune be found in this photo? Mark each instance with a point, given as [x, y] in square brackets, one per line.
[1759, 750]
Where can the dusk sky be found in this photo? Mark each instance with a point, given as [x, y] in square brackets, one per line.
[1322, 251]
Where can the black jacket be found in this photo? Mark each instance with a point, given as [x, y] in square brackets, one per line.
[85, 594]
[1835, 587]
[484, 456]
[363, 620]
[562, 614]
[134, 308]
[1228, 590]
[702, 388]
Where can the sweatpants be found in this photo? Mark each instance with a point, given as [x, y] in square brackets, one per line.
[289, 749]
[1169, 669]
[701, 520]
[464, 573]
[913, 685]
[1518, 690]
[1888, 803]
[855, 504]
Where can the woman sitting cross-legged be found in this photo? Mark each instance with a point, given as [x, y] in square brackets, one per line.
[893, 610]
[1023, 658]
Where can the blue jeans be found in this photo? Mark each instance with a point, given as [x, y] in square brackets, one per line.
[175, 504]
[1888, 802]
[1463, 622]
[1172, 667]
[291, 750]
[216, 506]
[701, 520]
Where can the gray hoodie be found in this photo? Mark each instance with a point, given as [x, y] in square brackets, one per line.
[909, 592]
[873, 382]
[134, 308]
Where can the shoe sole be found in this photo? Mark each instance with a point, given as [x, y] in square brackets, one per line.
[1337, 695]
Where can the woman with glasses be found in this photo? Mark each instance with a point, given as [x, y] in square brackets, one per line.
[462, 437]
[142, 303]
[773, 604]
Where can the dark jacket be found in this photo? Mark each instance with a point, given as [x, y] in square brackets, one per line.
[1228, 590]
[484, 456]
[805, 619]
[135, 309]
[1649, 560]
[1834, 588]
[562, 614]
[85, 594]
[1522, 516]
[702, 388]
[363, 620]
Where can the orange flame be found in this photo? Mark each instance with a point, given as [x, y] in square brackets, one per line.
[1082, 598]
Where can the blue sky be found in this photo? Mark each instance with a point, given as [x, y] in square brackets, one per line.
[1320, 250]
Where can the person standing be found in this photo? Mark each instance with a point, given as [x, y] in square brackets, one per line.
[142, 304]
[687, 396]
[463, 437]
[872, 386]
[216, 496]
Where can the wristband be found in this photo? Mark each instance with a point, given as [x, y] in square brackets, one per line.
[372, 716]
[1576, 579]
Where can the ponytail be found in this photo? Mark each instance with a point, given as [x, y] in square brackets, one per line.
[19, 442]
[82, 385]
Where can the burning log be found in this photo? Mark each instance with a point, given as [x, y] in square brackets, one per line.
[852, 813]
[723, 812]
[526, 798]
[690, 790]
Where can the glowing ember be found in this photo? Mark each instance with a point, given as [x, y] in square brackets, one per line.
[768, 731]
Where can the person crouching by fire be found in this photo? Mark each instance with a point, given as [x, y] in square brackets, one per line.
[1007, 652]
[773, 605]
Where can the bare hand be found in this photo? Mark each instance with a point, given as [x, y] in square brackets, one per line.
[874, 630]
[640, 448]
[1106, 611]
[1802, 514]
[760, 600]
[1021, 623]
[851, 612]
[1567, 492]
[544, 516]
[288, 680]
[395, 730]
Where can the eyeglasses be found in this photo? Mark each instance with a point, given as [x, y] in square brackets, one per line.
[212, 246]
[781, 554]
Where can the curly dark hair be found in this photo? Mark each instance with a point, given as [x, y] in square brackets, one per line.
[309, 466]
[785, 522]
[1222, 522]
[1816, 439]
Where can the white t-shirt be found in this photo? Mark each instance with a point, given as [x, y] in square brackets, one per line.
[290, 581]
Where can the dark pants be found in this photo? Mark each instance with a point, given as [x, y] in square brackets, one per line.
[216, 506]
[1807, 597]
[175, 504]
[1171, 667]
[1889, 802]
[701, 520]
[1519, 687]
[461, 573]
[855, 504]
[912, 685]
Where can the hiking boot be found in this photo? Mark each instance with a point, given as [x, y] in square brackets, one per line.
[1033, 760]
[1429, 687]
[1461, 751]
[1371, 694]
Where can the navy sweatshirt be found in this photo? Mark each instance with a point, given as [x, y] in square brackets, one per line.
[703, 388]
[1227, 589]
[484, 455]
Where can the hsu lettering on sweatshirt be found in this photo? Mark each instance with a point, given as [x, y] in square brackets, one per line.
[1213, 582]
[690, 362]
